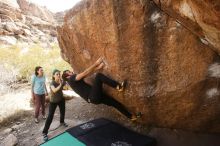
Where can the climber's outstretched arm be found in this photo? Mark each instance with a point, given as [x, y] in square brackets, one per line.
[96, 66]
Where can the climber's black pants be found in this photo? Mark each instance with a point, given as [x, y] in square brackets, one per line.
[96, 94]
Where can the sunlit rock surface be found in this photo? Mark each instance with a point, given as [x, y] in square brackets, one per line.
[202, 17]
[27, 23]
[172, 72]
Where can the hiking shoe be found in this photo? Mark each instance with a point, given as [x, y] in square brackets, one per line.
[45, 137]
[121, 86]
[136, 117]
[44, 117]
[64, 124]
[36, 120]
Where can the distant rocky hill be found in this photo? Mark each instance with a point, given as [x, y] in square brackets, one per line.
[25, 22]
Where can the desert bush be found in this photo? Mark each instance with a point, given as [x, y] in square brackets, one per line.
[18, 62]
[17, 115]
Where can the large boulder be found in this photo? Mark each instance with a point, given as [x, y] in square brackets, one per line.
[202, 17]
[172, 74]
[10, 140]
[11, 27]
[8, 40]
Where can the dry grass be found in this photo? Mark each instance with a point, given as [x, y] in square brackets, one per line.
[19, 114]
[14, 105]
[17, 64]
[18, 104]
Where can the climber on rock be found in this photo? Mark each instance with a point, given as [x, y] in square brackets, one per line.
[94, 93]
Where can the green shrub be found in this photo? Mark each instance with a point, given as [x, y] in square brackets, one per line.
[24, 60]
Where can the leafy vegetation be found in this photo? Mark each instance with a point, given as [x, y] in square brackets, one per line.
[19, 62]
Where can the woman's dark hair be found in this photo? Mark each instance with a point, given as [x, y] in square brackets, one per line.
[64, 75]
[37, 69]
[54, 72]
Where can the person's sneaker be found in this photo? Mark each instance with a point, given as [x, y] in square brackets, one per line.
[36, 120]
[45, 137]
[64, 124]
[121, 87]
[44, 117]
[136, 116]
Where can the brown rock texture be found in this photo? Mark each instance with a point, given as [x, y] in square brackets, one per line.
[172, 75]
[59, 16]
[9, 10]
[201, 16]
[25, 22]
[35, 10]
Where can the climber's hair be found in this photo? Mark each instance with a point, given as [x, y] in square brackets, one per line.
[65, 75]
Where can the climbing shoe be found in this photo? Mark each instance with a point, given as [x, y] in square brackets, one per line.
[121, 86]
[44, 117]
[136, 117]
[64, 124]
[45, 137]
[36, 120]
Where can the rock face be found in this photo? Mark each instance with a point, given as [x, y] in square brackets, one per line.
[10, 3]
[25, 22]
[59, 16]
[37, 11]
[10, 140]
[202, 17]
[9, 10]
[172, 72]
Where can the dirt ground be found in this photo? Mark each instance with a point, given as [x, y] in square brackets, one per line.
[78, 111]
